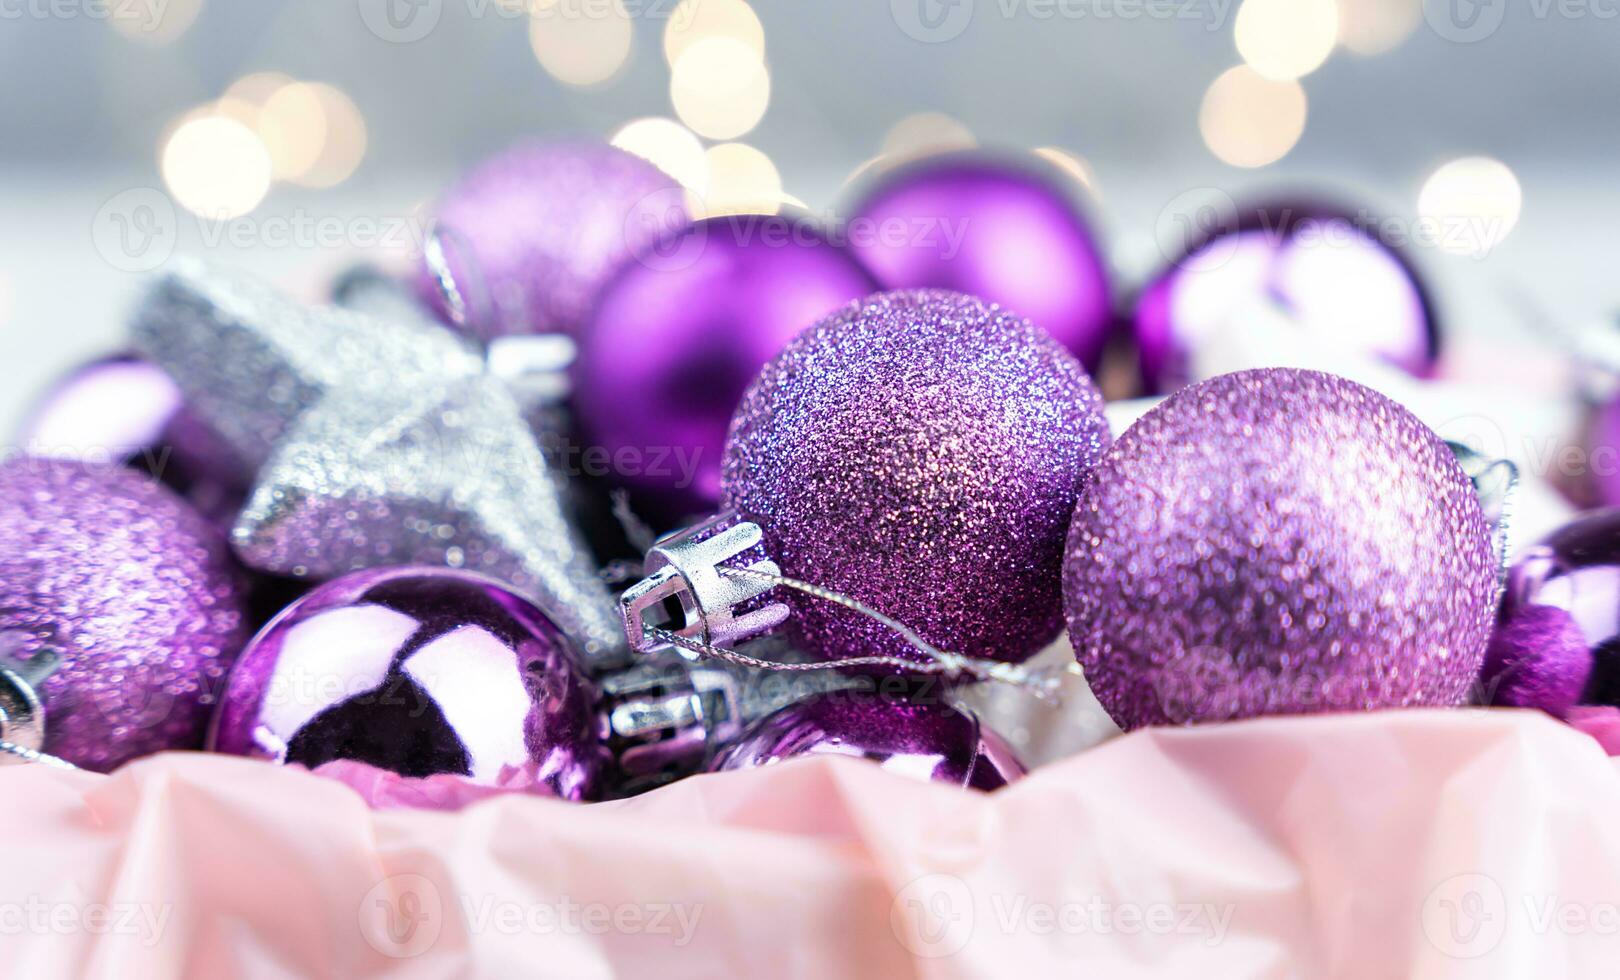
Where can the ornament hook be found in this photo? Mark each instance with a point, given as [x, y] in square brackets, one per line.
[687, 568]
[1496, 483]
[22, 710]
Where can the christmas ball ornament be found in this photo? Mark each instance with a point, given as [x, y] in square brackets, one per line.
[1537, 658]
[1007, 230]
[127, 411]
[1323, 269]
[1575, 572]
[679, 333]
[1278, 541]
[928, 739]
[535, 232]
[418, 671]
[919, 452]
[120, 613]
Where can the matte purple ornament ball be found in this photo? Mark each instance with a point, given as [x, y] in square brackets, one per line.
[680, 332]
[1008, 230]
[1576, 570]
[1322, 267]
[135, 593]
[1278, 542]
[920, 451]
[532, 233]
[928, 740]
[418, 671]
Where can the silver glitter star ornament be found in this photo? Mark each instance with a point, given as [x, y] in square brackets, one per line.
[379, 442]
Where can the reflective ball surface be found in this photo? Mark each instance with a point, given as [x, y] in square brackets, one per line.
[1007, 230]
[1576, 571]
[1324, 269]
[680, 332]
[418, 671]
[922, 740]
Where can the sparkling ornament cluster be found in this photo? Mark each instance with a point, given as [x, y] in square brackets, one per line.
[1278, 541]
[133, 589]
[920, 451]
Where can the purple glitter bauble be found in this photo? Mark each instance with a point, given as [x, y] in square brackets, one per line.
[1319, 266]
[1576, 569]
[1537, 658]
[533, 233]
[1278, 542]
[920, 451]
[418, 671]
[678, 335]
[1007, 230]
[132, 589]
[922, 740]
[127, 411]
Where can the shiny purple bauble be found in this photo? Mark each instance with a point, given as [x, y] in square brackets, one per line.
[920, 451]
[531, 234]
[1576, 570]
[927, 740]
[418, 671]
[1278, 542]
[133, 590]
[1325, 269]
[127, 411]
[680, 332]
[1007, 230]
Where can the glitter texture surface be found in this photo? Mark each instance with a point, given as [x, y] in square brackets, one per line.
[382, 443]
[920, 451]
[539, 228]
[133, 589]
[1277, 541]
[418, 671]
[928, 740]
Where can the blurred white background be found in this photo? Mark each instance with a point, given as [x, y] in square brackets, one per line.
[124, 121]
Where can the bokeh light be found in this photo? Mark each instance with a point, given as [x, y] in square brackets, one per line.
[1474, 202]
[1286, 39]
[154, 23]
[695, 20]
[1370, 27]
[668, 145]
[216, 167]
[742, 180]
[292, 124]
[1071, 165]
[1248, 120]
[345, 144]
[580, 44]
[720, 88]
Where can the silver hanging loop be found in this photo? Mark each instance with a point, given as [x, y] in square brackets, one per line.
[1496, 483]
[22, 710]
[686, 568]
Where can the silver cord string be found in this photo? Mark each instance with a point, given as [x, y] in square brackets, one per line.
[1043, 684]
[30, 755]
